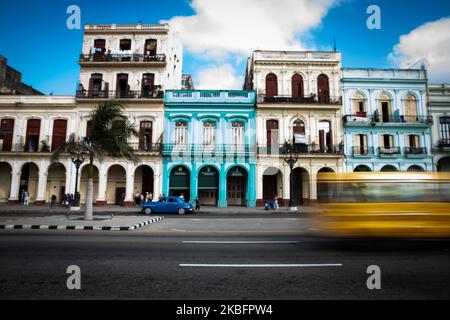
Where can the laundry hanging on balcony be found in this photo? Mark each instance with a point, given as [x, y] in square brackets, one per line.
[300, 138]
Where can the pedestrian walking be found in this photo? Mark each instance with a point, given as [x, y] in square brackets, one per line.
[182, 196]
[27, 198]
[52, 201]
[275, 203]
[22, 197]
[197, 204]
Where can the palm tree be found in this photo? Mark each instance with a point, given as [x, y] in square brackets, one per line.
[110, 129]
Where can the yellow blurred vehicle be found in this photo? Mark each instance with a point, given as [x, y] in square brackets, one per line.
[386, 204]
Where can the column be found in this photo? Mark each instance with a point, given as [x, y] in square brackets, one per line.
[102, 179]
[128, 202]
[194, 183]
[157, 189]
[286, 185]
[222, 203]
[313, 188]
[251, 192]
[15, 184]
[42, 185]
[259, 186]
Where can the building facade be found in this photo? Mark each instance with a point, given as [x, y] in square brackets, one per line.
[439, 109]
[11, 81]
[132, 64]
[299, 102]
[209, 146]
[386, 123]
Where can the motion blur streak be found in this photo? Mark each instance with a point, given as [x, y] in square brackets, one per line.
[384, 204]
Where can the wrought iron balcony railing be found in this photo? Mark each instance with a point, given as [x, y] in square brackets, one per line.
[146, 147]
[156, 93]
[299, 100]
[415, 151]
[122, 57]
[300, 149]
[389, 151]
[362, 151]
[443, 143]
[213, 150]
[362, 117]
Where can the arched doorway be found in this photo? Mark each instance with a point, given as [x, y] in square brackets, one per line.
[415, 168]
[388, 168]
[84, 183]
[444, 165]
[56, 182]
[208, 186]
[116, 185]
[236, 186]
[29, 179]
[271, 85]
[272, 183]
[301, 185]
[325, 190]
[144, 178]
[323, 89]
[180, 182]
[5, 185]
[362, 168]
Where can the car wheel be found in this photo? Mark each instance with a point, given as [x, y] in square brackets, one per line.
[181, 211]
[147, 210]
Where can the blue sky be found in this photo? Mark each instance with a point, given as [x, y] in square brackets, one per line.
[36, 41]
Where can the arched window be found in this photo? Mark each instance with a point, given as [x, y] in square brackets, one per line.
[323, 89]
[209, 133]
[410, 108]
[297, 86]
[271, 85]
[385, 107]
[359, 104]
[237, 133]
[299, 136]
[145, 135]
[99, 49]
[180, 133]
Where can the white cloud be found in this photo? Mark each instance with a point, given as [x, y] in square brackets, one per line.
[220, 27]
[430, 41]
[218, 77]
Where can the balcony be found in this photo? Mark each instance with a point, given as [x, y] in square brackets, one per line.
[362, 151]
[361, 118]
[295, 100]
[146, 147]
[301, 149]
[443, 143]
[203, 150]
[122, 58]
[232, 97]
[414, 152]
[389, 151]
[156, 93]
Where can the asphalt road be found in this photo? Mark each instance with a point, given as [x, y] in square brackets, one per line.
[168, 264]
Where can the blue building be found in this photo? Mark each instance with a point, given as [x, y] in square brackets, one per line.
[386, 125]
[209, 146]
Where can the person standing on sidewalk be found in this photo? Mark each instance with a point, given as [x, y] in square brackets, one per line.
[197, 204]
[26, 198]
[52, 201]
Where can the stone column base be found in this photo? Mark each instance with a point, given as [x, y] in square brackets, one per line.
[13, 202]
[40, 202]
[128, 204]
[100, 203]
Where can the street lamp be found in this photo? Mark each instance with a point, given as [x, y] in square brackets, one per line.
[77, 155]
[290, 157]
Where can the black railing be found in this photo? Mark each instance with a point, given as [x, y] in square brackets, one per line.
[299, 100]
[415, 151]
[362, 151]
[174, 149]
[364, 118]
[121, 94]
[122, 57]
[389, 151]
[146, 147]
[444, 143]
[300, 149]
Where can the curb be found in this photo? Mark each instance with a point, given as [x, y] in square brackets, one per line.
[72, 227]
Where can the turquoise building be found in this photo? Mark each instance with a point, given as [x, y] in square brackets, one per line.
[386, 125]
[209, 147]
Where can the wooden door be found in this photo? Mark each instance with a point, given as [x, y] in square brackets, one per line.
[272, 133]
[7, 130]
[59, 133]
[271, 85]
[297, 86]
[323, 89]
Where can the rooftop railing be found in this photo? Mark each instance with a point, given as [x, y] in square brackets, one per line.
[121, 57]
[121, 94]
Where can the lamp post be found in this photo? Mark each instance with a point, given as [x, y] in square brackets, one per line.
[77, 156]
[291, 158]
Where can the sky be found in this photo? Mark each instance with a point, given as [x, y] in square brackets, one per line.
[219, 35]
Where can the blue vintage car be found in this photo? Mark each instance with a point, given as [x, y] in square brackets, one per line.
[167, 205]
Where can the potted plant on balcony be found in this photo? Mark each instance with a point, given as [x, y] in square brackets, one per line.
[44, 146]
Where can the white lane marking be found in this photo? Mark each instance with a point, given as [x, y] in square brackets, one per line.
[262, 265]
[241, 242]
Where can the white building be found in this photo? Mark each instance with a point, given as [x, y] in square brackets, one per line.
[299, 102]
[439, 109]
[131, 63]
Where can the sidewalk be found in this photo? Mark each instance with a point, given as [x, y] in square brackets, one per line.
[123, 211]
